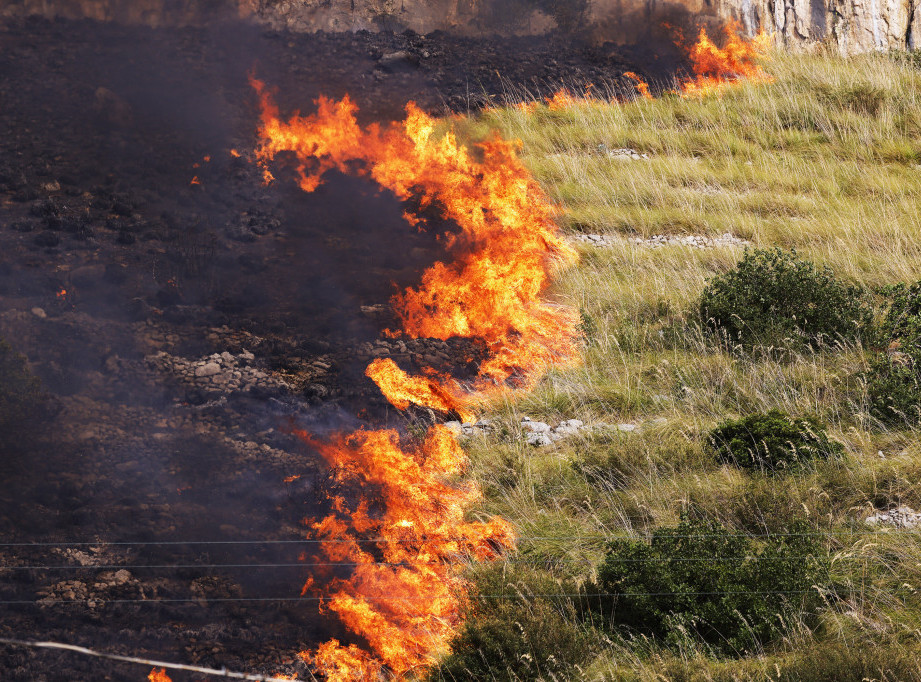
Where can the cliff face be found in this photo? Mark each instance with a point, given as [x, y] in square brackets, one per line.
[854, 26]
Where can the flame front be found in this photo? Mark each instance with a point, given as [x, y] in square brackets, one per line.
[405, 592]
[158, 676]
[398, 520]
[508, 243]
[738, 59]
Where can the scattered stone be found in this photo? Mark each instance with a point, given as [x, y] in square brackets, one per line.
[39, 313]
[623, 153]
[660, 240]
[207, 370]
[902, 517]
[538, 439]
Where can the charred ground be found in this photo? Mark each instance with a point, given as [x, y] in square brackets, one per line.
[181, 316]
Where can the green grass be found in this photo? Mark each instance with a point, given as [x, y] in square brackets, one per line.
[827, 159]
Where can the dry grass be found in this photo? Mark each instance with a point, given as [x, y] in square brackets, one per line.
[826, 160]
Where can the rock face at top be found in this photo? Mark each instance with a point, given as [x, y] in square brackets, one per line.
[853, 26]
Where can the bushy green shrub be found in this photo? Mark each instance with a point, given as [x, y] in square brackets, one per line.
[771, 441]
[702, 582]
[22, 401]
[512, 631]
[774, 298]
[894, 374]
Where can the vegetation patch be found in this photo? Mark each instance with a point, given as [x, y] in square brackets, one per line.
[894, 374]
[772, 442]
[517, 630]
[702, 581]
[776, 299]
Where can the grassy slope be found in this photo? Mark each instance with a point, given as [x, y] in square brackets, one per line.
[826, 160]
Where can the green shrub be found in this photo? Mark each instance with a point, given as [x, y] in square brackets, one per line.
[22, 401]
[513, 632]
[894, 374]
[702, 582]
[773, 298]
[771, 441]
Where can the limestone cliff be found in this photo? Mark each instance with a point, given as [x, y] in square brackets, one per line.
[853, 26]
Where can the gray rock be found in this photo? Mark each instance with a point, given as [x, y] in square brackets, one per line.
[536, 427]
[207, 370]
[539, 439]
[39, 313]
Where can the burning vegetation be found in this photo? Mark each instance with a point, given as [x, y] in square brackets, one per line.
[405, 593]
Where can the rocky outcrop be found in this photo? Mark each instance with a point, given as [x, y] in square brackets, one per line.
[853, 26]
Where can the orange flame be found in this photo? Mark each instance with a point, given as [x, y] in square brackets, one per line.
[62, 294]
[195, 181]
[738, 59]
[508, 243]
[401, 389]
[641, 85]
[158, 676]
[405, 594]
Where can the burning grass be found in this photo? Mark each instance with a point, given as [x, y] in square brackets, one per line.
[825, 159]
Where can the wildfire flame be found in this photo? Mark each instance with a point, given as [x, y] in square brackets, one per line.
[405, 593]
[641, 85]
[401, 389]
[738, 59]
[401, 524]
[492, 288]
[158, 676]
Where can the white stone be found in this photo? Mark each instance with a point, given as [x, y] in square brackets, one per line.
[536, 427]
[538, 439]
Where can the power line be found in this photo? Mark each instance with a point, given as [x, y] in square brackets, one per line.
[348, 564]
[525, 538]
[204, 601]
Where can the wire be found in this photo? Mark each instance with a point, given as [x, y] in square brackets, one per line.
[405, 563]
[204, 601]
[223, 672]
[867, 531]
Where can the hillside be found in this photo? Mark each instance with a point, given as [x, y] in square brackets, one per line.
[824, 163]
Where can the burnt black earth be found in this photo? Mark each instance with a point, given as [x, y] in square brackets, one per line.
[183, 317]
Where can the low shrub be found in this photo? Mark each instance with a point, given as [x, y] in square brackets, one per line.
[703, 582]
[894, 375]
[775, 299]
[771, 441]
[513, 631]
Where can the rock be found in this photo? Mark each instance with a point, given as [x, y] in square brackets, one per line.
[539, 439]
[626, 427]
[39, 313]
[903, 517]
[207, 370]
[536, 427]
[853, 26]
